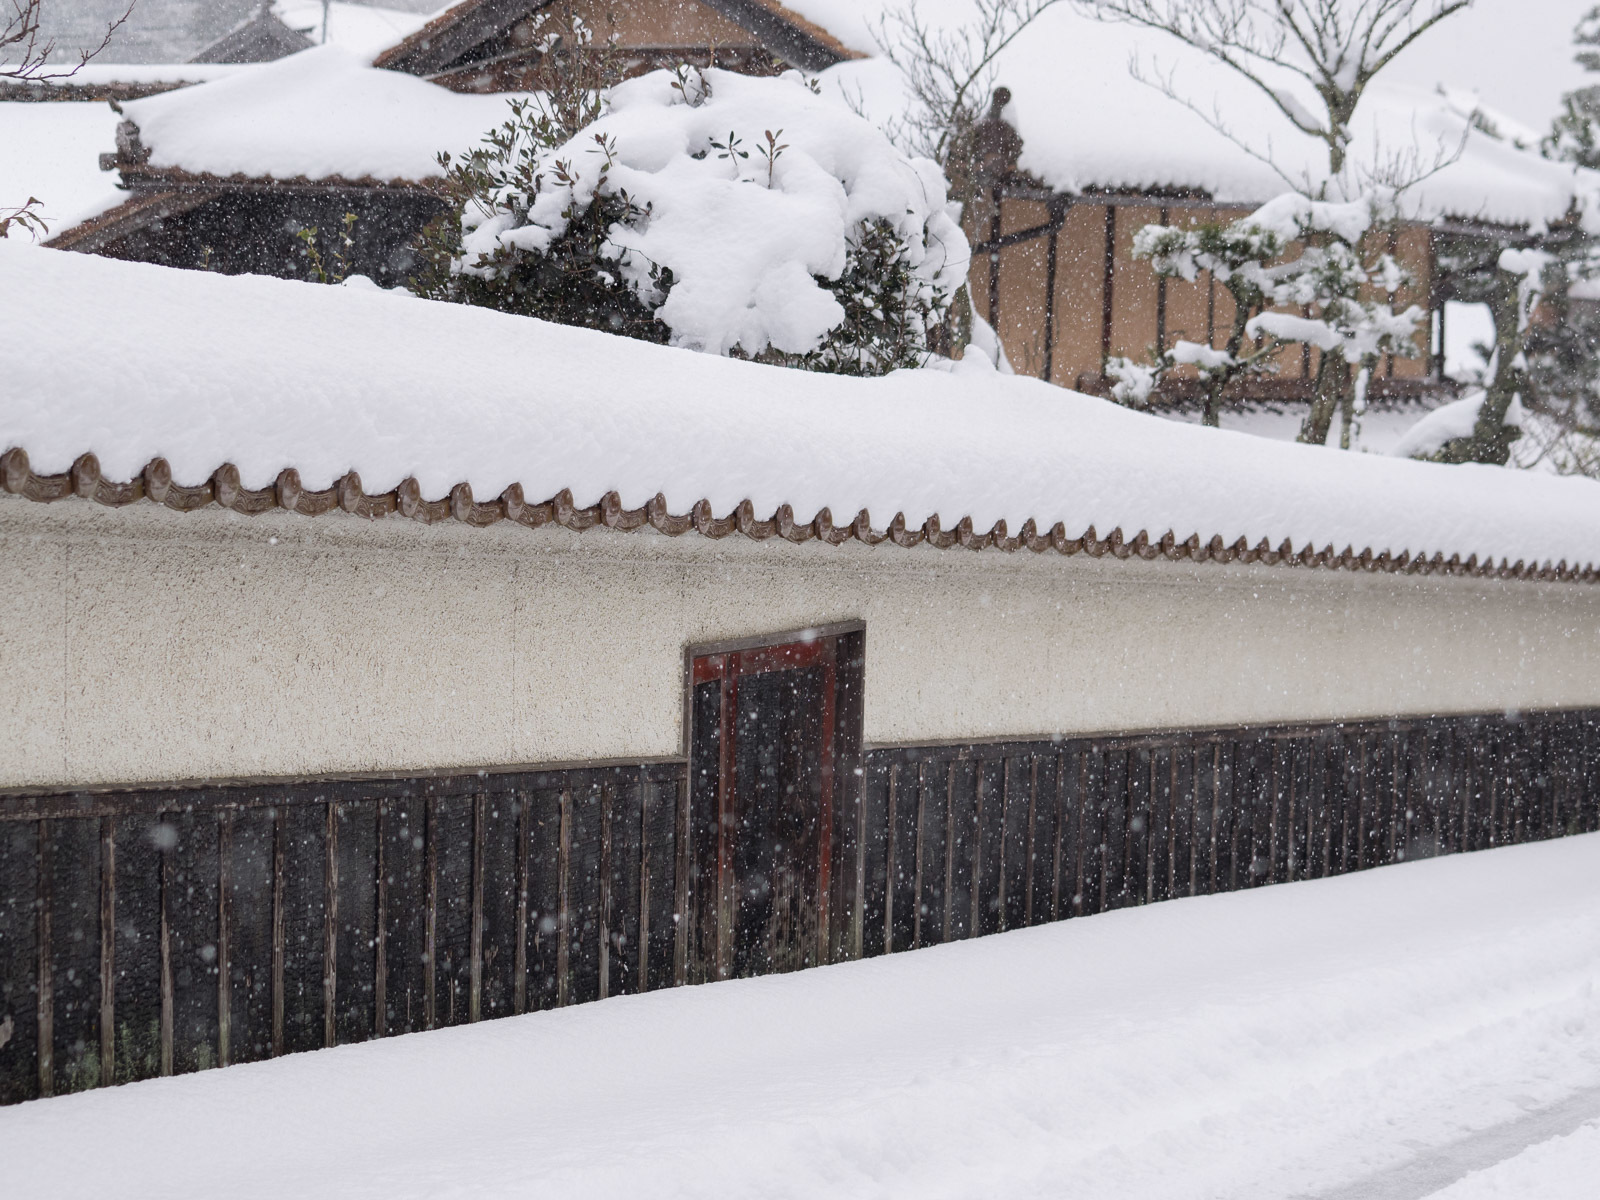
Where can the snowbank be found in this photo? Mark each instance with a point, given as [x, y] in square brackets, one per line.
[133, 361]
[318, 114]
[1086, 122]
[1309, 1039]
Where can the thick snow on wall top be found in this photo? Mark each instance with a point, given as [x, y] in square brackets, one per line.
[318, 114]
[132, 361]
[1087, 122]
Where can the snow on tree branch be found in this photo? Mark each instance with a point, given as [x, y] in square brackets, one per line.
[1334, 48]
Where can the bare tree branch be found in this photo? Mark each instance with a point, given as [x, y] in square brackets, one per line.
[1336, 46]
[20, 41]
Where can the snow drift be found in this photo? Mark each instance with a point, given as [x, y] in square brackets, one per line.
[131, 361]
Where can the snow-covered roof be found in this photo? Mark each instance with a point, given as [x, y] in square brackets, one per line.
[52, 152]
[1087, 122]
[364, 29]
[320, 114]
[394, 402]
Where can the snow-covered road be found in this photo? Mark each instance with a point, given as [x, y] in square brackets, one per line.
[1377, 1035]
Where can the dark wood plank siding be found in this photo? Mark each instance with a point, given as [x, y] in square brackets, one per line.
[155, 931]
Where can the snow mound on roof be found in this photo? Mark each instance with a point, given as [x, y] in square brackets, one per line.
[1086, 122]
[318, 114]
[746, 238]
[364, 29]
[132, 361]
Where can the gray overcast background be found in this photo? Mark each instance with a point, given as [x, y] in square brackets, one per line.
[159, 30]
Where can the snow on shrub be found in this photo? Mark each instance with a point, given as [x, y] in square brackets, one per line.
[718, 212]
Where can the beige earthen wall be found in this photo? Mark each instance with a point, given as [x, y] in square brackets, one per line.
[141, 645]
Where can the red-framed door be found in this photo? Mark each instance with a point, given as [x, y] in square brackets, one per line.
[764, 744]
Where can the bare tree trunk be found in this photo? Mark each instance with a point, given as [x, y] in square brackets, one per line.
[1329, 389]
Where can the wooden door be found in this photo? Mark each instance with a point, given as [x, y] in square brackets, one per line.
[765, 759]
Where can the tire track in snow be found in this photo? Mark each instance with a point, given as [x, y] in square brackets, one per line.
[1431, 1171]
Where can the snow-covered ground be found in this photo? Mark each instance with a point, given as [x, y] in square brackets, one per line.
[1365, 1036]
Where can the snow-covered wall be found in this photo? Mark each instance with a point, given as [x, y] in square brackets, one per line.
[146, 645]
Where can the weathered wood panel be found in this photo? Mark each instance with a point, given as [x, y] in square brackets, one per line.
[172, 930]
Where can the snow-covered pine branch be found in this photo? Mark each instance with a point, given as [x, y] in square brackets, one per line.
[718, 212]
[1343, 290]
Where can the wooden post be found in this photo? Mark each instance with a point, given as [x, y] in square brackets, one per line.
[166, 960]
[680, 888]
[330, 922]
[645, 792]
[108, 952]
[606, 794]
[278, 946]
[519, 982]
[922, 816]
[949, 842]
[1030, 848]
[225, 939]
[889, 861]
[475, 968]
[1108, 288]
[47, 1006]
[564, 922]
[380, 990]
[430, 917]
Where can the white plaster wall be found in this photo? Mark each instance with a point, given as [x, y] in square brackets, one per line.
[142, 645]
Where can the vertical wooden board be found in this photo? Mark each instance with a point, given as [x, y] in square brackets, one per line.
[1347, 853]
[1158, 855]
[137, 945]
[19, 960]
[1091, 790]
[450, 825]
[1115, 890]
[1281, 795]
[1205, 759]
[875, 891]
[74, 899]
[1044, 845]
[303, 827]
[405, 837]
[1261, 800]
[963, 845]
[356, 938]
[1073, 767]
[544, 899]
[1371, 770]
[1589, 772]
[249, 935]
[1010, 778]
[1426, 825]
[903, 866]
[502, 881]
[583, 897]
[1181, 792]
[1139, 835]
[192, 915]
[661, 845]
[1228, 873]
[936, 825]
[622, 921]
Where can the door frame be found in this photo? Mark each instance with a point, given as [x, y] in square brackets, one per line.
[841, 788]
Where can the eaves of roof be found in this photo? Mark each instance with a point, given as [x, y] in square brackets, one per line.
[224, 489]
[454, 32]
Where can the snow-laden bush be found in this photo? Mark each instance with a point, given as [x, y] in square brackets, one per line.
[718, 212]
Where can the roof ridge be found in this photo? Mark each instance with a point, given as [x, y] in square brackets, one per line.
[85, 481]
